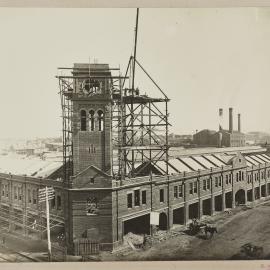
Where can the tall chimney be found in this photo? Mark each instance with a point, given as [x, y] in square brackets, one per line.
[239, 122]
[220, 114]
[230, 120]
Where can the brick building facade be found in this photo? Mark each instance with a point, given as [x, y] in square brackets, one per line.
[223, 137]
[96, 206]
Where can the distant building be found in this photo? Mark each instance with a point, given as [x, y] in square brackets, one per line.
[179, 140]
[221, 138]
[232, 139]
[25, 151]
[258, 137]
[206, 137]
[54, 146]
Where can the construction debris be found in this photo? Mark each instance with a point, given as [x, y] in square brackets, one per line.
[135, 239]
[131, 245]
[161, 236]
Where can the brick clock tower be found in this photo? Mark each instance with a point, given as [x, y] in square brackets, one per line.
[92, 118]
[89, 197]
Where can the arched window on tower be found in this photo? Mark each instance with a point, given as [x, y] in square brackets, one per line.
[100, 120]
[91, 120]
[83, 120]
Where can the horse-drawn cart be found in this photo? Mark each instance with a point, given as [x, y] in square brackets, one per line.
[252, 251]
[195, 227]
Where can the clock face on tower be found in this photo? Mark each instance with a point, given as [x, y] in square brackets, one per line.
[91, 87]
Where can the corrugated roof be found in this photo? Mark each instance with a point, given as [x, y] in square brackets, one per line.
[204, 162]
[262, 158]
[179, 151]
[28, 166]
[162, 165]
[44, 168]
[266, 156]
[192, 163]
[223, 158]
[180, 166]
[249, 164]
[214, 160]
[257, 159]
[254, 162]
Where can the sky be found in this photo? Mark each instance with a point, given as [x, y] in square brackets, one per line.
[204, 59]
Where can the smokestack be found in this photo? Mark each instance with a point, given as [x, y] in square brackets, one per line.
[239, 122]
[230, 120]
[220, 114]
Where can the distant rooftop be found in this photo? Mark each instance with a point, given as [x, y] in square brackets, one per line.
[206, 161]
[179, 151]
[35, 167]
[181, 160]
[79, 68]
[234, 131]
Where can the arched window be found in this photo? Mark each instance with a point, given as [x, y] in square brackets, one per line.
[91, 120]
[83, 120]
[100, 120]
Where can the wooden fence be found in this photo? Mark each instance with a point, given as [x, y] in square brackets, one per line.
[59, 253]
[84, 246]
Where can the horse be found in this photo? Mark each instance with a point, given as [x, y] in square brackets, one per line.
[211, 230]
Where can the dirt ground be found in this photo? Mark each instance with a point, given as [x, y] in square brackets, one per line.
[239, 227]
[235, 229]
[21, 243]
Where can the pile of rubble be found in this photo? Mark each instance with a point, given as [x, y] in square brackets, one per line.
[138, 241]
[160, 236]
[134, 240]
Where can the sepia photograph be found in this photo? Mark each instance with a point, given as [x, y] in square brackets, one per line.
[134, 134]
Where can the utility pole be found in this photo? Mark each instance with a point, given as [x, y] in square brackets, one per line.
[132, 91]
[48, 226]
[135, 50]
[47, 194]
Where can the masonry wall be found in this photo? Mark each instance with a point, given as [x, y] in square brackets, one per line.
[95, 226]
[106, 225]
[19, 205]
[91, 147]
[222, 180]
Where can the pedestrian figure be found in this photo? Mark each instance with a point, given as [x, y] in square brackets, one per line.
[3, 240]
[144, 239]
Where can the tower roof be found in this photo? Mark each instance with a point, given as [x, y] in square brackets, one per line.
[85, 68]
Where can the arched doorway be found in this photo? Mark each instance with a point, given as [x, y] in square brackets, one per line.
[138, 225]
[178, 216]
[228, 199]
[240, 197]
[163, 221]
